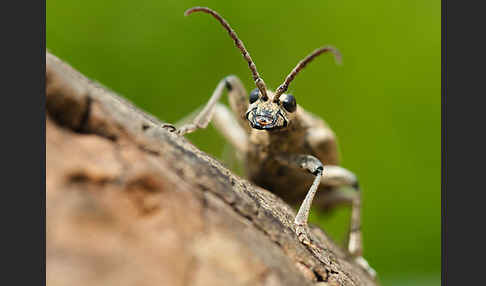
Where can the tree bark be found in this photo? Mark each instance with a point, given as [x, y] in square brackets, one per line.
[130, 203]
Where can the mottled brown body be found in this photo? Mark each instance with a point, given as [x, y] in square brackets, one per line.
[300, 137]
[286, 149]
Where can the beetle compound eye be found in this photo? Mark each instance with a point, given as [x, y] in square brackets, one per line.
[254, 95]
[288, 102]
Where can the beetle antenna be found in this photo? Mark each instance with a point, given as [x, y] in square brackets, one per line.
[301, 65]
[239, 44]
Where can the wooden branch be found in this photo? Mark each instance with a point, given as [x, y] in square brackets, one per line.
[129, 203]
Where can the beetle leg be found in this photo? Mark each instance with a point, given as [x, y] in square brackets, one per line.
[238, 101]
[345, 190]
[315, 167]
[226, 123]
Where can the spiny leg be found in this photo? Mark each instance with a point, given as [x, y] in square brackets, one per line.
[345, 190]
[202, 119]
[322, 141]
[315, 167]
[226, 123]
[228, 126]
[339, 180]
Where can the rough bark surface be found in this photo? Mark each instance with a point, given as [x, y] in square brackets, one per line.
[129, 203]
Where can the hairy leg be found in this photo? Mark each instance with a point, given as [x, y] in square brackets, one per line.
[345, 190]
[226, 123]
[238, 101]
[315, 167]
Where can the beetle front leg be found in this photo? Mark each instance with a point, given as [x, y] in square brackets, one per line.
[315, 167]
[227, 124]
[345, 190]
[202, 118]
[238, 101]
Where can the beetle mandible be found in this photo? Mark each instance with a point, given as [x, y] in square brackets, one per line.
[276, 136]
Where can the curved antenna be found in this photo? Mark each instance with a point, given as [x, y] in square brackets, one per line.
[239, 44]
[285, 85]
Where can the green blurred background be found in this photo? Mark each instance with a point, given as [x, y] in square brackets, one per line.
[383, 102]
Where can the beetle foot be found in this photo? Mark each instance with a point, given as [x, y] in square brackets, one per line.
[366, 266]
[302, 233]
[169, 127]
[188, 128]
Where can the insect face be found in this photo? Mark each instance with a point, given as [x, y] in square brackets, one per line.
[268, 110]
[266, 114]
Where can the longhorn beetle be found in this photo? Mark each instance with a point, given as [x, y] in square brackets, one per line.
[280, 137]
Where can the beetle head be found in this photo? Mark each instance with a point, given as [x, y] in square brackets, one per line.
[267, 110]
[269, 114]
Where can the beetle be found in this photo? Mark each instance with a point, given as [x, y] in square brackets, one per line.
[277, 137]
